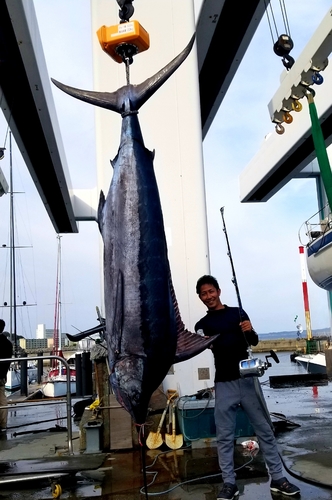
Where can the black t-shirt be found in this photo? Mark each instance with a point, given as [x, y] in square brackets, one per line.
[232, 344]
[6, 351]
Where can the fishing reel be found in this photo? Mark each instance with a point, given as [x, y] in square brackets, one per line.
[255, 367]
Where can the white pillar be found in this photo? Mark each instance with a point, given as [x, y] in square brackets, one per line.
[170, 123]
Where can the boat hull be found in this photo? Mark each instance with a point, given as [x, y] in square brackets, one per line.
[312, 363]
[58, 388]
[319, 260]
[13, 380]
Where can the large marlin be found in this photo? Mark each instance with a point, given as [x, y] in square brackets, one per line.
[144, 330]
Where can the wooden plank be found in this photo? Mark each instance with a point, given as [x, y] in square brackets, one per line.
[120, 426]
[103, 387]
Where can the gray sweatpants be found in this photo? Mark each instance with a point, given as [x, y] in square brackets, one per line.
[228, 396]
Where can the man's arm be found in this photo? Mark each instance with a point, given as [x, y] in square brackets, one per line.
[249, 332]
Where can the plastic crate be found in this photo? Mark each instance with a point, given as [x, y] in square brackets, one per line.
[196, 420]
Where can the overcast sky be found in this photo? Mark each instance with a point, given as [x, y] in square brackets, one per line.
[263, 237]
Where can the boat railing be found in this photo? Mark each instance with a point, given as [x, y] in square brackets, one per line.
[315, 227]
[68, 395]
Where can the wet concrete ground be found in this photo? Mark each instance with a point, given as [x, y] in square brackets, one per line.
[190, 472]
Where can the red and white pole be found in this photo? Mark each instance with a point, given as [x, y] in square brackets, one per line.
[305, 294]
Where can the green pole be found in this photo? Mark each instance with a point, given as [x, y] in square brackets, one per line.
[319, 143]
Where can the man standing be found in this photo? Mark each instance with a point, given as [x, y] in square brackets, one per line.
[6, 351]
[235, 336]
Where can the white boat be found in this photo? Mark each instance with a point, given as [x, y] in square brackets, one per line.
[13, 380]
[318, 232]
[313, 363]
[58, 387]
[56, 383]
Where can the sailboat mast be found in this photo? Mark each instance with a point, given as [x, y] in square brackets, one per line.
[57, 315]
[13, 332]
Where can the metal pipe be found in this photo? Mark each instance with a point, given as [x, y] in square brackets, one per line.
[68, 396]
[46, 475]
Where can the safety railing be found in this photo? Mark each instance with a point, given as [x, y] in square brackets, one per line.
[68, 392]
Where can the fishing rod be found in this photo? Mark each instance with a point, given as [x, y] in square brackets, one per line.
[251, 367]
[234, 280]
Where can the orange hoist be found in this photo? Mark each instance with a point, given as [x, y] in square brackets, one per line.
[125, 40]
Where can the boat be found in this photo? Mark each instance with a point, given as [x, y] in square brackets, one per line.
[13, 380]
[56, 383]
[318, 245]
[57, 387]
[312, 363]
[314, 360]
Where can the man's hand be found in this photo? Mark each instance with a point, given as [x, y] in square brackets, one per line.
[246, 326]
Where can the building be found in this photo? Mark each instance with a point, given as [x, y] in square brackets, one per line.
[38, 344]
[48, 333]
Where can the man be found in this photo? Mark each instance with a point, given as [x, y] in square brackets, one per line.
[236, 334]
[6, 351]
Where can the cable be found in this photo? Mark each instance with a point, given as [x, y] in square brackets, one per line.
[268, 20]
[284, 16]
[201, 478]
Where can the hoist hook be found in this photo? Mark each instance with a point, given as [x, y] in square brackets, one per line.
[288, 61]
[287, 117]
[317, 78]
[126, 10]
[280, 129]
[296, 105]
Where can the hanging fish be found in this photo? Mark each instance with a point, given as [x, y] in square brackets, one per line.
[144, 331]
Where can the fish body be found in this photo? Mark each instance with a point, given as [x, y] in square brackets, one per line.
[144, 331]
[140, 320]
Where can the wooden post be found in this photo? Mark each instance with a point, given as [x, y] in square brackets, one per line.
[102, 384]
[328, 356]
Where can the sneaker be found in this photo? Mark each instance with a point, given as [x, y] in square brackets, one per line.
[228, 492]
[284, 486]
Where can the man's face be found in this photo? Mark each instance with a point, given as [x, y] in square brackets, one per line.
[210, 296]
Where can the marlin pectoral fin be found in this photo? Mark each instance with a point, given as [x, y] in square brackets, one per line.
[190, 344]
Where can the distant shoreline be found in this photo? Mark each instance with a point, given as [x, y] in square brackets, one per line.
[282, 345]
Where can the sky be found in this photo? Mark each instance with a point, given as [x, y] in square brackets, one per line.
[263, 236]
